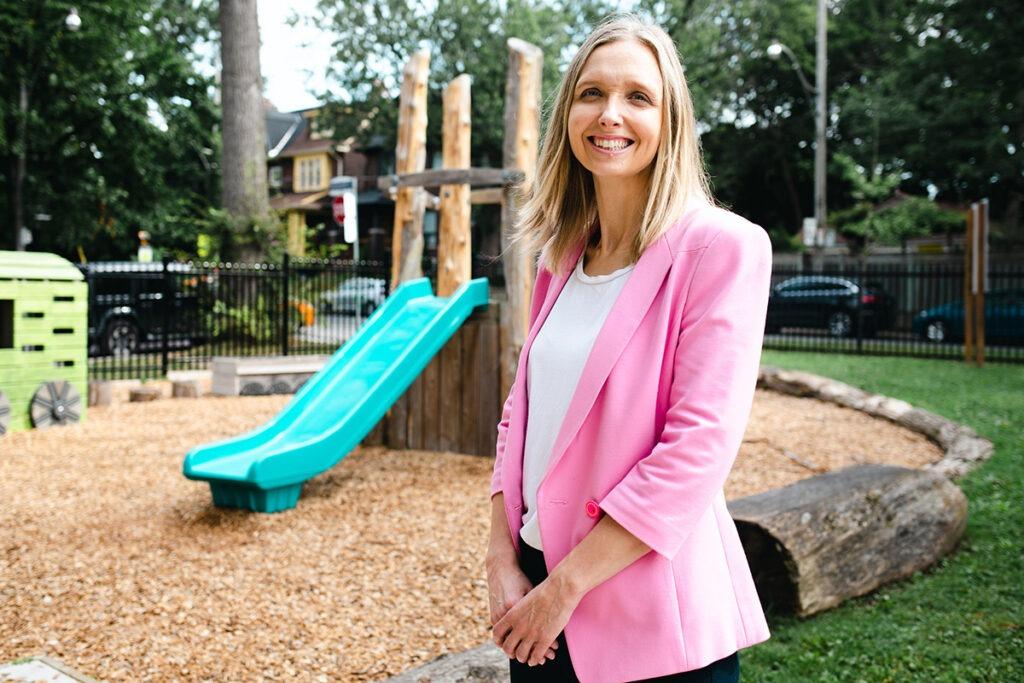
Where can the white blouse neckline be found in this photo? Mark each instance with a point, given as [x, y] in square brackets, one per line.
[597, 279]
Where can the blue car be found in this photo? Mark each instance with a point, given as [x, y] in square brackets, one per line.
[1004, 319]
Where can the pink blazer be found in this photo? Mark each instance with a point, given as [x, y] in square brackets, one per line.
[649, 437]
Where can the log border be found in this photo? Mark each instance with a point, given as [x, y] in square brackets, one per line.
[964, 449]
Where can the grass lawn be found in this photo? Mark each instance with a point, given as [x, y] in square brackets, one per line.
[961, 620]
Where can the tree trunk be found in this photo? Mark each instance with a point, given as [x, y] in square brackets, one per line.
[244, 137]
[816, 543]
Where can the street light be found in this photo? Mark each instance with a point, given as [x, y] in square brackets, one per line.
[73, 22]
[774, 51]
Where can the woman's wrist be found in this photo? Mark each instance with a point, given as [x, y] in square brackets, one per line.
[500, 555]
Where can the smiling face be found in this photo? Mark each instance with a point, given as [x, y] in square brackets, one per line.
[615, 117]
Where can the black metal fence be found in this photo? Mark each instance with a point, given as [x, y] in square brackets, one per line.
[907, 310]
[146, 319]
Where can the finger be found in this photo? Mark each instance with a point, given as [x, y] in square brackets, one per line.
[523, 651]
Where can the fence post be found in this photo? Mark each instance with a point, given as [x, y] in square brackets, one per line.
[285, 311]
[861, 288]
[167, 304]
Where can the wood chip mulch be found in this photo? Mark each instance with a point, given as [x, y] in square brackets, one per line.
[114, 563]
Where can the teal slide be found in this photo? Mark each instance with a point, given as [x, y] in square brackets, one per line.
[336, 408]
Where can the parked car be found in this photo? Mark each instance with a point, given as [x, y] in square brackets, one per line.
[126, 308]
[1004, 319]
[356, 295]
[828, 302]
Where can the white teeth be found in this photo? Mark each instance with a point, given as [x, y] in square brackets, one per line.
[611, 144]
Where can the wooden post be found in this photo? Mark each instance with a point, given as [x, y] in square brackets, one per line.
[454, 250]
[410, 156]
[522, 128]
[968, 298]
[981, 278]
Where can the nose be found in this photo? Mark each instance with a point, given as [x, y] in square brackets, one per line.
[610, 116]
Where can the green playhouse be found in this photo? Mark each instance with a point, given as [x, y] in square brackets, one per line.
[43, 329]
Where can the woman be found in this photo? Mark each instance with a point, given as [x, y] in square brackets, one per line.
[612, 555]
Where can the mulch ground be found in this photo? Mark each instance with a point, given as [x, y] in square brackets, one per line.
[113, 562]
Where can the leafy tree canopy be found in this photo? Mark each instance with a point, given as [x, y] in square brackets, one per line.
[121, 128]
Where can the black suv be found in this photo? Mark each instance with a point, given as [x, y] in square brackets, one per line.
[818, 301]
[127, 306]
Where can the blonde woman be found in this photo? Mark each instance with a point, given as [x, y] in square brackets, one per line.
[612, 556]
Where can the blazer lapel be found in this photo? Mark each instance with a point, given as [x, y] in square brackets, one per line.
[625, 316]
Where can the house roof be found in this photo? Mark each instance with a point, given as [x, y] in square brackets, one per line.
[306, 146]
[281, 127]
[303, 201]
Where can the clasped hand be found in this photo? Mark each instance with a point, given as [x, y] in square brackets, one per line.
[528, 630]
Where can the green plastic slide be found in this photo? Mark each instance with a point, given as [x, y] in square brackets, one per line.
[263, 470]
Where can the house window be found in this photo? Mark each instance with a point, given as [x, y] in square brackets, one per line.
[276, 179]
[309, 173]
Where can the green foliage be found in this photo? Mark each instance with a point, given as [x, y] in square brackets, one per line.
[961, 620]
[878, 216]
[243, 323]
[377, 37]
[121, 132]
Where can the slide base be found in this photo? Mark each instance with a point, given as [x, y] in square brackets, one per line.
[226, 495]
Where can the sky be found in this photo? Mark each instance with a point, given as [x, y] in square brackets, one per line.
[292, 59]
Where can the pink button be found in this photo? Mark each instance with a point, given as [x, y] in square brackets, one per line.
[592, 509]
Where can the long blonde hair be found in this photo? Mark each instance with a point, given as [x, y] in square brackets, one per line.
[560, 209]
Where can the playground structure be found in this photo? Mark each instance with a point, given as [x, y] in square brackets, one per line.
[43, 319]
[426, 370]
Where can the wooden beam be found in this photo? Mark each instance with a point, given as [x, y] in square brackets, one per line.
[522, 129]
[455, 262]
[410, 157]
[436, 177]
[488, 195]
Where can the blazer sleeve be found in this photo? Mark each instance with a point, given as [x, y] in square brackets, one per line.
[718, 349]
[536, 303]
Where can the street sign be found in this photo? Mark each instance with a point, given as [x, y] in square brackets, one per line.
[338, 208]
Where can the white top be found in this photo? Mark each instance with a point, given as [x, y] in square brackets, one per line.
[555, 364]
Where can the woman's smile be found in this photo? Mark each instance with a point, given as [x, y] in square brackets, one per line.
[610, 145]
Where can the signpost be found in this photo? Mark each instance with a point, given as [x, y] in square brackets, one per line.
[344, 206]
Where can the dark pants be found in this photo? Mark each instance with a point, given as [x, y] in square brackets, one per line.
[559, 669]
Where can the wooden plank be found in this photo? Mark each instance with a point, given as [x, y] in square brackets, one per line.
[431, 404]
[410, 157]
[414, 396]
[454, 250]
[490, 195]
[398, 424]
[522, 128]
[375, 437]
[489, 398]
[451, 390]
[471, 369]
[436, 177]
